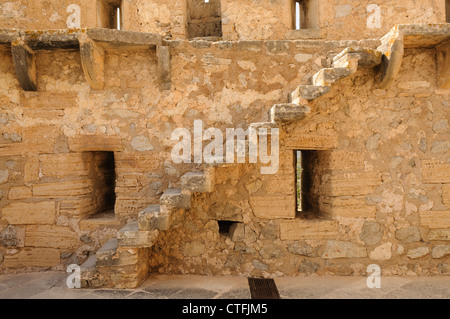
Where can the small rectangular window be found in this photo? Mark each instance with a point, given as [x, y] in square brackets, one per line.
[109, 14]
[305, 14]
[447, 10]
[204, 18]
[305, 169]
[104, 181]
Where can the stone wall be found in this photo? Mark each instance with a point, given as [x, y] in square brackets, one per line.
[241, 19]
[379, 181]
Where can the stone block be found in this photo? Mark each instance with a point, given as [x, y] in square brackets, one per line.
[440, 251]
[175, 198]
[237, 232]
[299, 229]
[12, 236]
[435, 171]
[328, 76]
[95, 143]
[31, 169]
[351, 184]
[131, 236]
[382, 252]
[78, 206]
[63, 189]
[302, 249]
[63, 165]
[50, 237]
[435, 219]
[418, 252]
[136, 163]
[408, 235]
[198, 182]
[152, 218]
[446, 195]
[439, 235]
[226, 211]
[19, 192]
[33, 257]
[288, 112]
[343, 249]
[19, 213]
[347, 207]
[273, 207]
[341, 160]
[308, 92]
[303, 141]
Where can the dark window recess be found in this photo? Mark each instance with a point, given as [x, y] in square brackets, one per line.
[224, 227]
[306, 163]
[204, 18]
[109, 14]
[447, 10]
[104, 181]
[305, 14]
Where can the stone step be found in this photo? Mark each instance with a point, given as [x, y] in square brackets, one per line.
[366, 57]
[263, 128]
[89, 274]
[152, 218]
[107, 252]
[198, 182]
[308, 93]
[328, 76]
[131, 236]
[175, 198]
[288, 112]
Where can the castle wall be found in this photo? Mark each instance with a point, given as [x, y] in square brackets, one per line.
[241, 19]
[379, 175]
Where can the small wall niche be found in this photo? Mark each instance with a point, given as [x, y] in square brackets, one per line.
[305, 168]
[104, 181]
[305, 14]
[204, 18]
[447, 11]
[109, 14]
[224, 227]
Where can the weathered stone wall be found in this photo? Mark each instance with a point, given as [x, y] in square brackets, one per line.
[241, 19]
[381, 182]
[383, 191]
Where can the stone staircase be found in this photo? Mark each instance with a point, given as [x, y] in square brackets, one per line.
[122, 261]
[343, 65]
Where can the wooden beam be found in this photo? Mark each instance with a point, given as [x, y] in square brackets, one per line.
[25, 65]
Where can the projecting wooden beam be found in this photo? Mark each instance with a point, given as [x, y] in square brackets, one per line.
[25, 64]
[93, 62]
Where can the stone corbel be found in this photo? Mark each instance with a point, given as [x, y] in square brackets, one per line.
[164, 67]
[92, 62]
[25, 64]
[443, 65]
[393, 49]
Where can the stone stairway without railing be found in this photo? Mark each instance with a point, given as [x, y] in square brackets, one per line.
[122, 261]
[343, 65]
